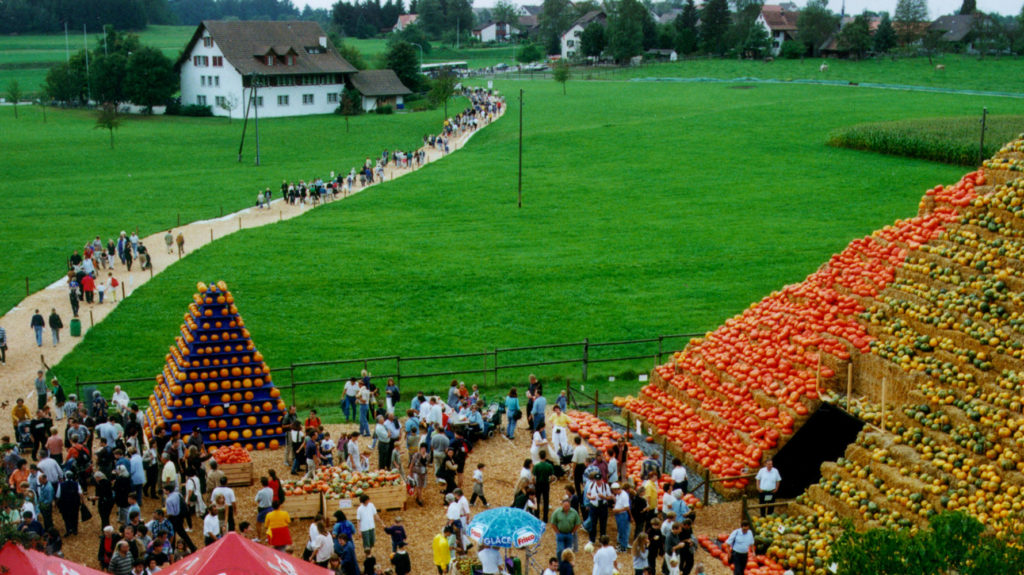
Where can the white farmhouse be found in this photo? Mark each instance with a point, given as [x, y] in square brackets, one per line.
[571, 38]
[284, 68]
[380, 88]
[494, 32]
[780, 23]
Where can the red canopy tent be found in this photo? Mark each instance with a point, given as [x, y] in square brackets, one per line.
[16, 559]
[236, 555]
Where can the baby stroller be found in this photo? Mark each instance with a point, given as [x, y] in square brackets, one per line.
[23, 434]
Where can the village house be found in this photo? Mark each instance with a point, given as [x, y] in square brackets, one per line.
[283, 68]
[380, 88]
[780, 23]
[494, 32]
[570, 40]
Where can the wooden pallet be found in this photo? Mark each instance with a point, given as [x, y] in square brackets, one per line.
[238, 473]
[305, 505]
[389, 497]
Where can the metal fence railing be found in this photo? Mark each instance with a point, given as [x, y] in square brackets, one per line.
[487, 368]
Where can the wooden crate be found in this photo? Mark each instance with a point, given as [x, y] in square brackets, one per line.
[238, 473]
[305, 505]
[389, 497]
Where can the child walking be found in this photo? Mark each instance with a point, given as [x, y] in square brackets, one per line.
[478, 485]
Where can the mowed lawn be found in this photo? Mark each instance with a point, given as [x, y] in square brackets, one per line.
[61, 183]
[647, 209]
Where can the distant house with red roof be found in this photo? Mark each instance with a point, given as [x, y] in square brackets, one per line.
[405, 20]
[780, 23]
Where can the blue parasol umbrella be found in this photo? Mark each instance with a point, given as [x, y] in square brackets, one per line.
[508, 527]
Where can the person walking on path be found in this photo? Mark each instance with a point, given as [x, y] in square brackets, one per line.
[55, 326]
[181, 244]
[74, 293]
[41, 388]
[169, 240]
[3, 346]
[38, 323]
[741, 541]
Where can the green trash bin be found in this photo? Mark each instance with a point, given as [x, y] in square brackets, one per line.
[517, 566]
[76, 327]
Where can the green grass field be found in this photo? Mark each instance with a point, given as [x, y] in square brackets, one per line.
[62, 184]
[648, 209]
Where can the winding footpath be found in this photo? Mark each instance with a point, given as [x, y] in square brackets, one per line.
[24, 358]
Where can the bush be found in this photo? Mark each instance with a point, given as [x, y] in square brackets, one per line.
[385, 110]
[792, 50]
[947, 140]
[174, 108]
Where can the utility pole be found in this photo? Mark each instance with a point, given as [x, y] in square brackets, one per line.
[256, 114]
[67, 44]
[520, 147]
[88, 84]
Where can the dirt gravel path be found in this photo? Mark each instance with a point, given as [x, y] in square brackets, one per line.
[24, 357]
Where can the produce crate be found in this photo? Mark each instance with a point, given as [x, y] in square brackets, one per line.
[388, 497]
[305, 505]
[238, 473]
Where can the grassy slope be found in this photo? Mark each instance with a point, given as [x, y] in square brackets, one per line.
[60, 180]
[962, 72]
[27, 58]
[647, 209]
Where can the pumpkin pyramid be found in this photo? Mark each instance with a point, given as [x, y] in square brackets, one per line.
[215, 379]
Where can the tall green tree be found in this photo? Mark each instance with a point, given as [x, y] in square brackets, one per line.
[856, 36]
[757, 44]
[968, 7]
[107, 78]
[150, 79]
[592, 40]
[714, 25]
[909, 20]
[626, 29]
[442, 89]
[742, 34]
[554, 20]
[686, 28]
[66, 81]
[403, 59]
[885, 35]
[989, 34]
[505, 11]
[14, 94]
[815, 24]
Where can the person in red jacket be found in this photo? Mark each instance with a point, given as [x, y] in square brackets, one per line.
[88, 287]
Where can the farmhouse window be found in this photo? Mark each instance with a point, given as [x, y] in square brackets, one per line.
[570, 43]
[221, 101]
[291, 60]
[282, 100]
[259, 101]
[201, 100]
[202, 81]
[207, 42]
[332, 98]
[218, 61]
[307, 99]
[216, 81]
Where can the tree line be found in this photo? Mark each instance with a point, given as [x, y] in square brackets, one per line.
[119, 69]
[46, 16]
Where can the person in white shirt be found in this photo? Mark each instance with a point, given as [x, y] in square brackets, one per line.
[620, 511]
[323, 546]
[366, 515]
[211, 526]
[605, 558]
[229, 501]
[768, 480]
[490, 560]
[264, 502]
[679, 480]
[120, 399]
[552, 568]
[464, 511]
[348, 402]
[742, 543]
[436, 411]
[327, 451]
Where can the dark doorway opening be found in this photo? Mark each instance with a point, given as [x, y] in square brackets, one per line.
[823, 438]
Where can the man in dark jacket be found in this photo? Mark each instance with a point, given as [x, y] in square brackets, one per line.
[55, 326]
[37, 325]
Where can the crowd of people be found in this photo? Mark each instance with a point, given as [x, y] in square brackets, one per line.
[100, 457]
[484, 107]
